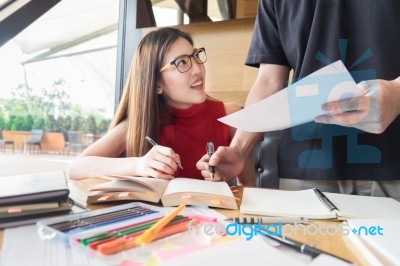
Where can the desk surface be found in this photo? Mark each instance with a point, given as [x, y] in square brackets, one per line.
[334, 244]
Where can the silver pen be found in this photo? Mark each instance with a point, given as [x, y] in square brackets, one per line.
[210, 152]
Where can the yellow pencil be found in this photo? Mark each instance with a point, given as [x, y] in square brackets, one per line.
[150, 233]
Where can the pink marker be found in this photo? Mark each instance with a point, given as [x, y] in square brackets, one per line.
[202, 218]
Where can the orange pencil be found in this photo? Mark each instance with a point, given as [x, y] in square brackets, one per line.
[149, 234]
[127, 243]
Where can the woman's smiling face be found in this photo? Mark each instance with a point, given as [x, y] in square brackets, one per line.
[182, 90]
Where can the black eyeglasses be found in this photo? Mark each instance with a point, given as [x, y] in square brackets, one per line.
[184, 63]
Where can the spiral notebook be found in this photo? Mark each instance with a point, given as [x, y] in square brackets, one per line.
[314, 204]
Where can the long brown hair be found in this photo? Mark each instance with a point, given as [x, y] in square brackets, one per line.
[140, 104]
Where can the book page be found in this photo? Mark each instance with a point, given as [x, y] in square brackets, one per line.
[303, 203]
[127, 186]
[356, 206]
[179, 185]
[155, 184]
[199, 192]
[120, 185]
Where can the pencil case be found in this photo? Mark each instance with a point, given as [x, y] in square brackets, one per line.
[92, 222]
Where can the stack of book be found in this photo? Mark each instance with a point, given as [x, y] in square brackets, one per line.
[26, 198]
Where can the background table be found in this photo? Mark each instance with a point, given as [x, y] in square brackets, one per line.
[25, 134]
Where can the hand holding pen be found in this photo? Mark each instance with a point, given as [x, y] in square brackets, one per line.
[161, 162]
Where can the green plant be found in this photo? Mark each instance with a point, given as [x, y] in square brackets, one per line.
[91, 126]
[50, 111]
[39, 123]
[50, 124]
[2, 120]
[22, 123]
[29, 122]
[77, 123]
[103, 126]
[67, 123]
[60, 123]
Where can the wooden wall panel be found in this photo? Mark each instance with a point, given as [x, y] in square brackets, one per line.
[246, 8]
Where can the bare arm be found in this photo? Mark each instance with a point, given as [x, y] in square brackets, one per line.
[247, 176]
[230, 161]
[102, 158]
[270, 79]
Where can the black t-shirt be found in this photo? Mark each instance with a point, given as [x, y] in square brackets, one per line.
[307, 35]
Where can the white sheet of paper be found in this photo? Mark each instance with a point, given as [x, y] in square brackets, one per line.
[385, 247]
[326, 260]
[237, 252]
[298, 103]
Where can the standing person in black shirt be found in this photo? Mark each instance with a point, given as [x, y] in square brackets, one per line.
[339, 155]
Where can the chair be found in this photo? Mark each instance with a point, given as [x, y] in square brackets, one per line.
[4, 143]
[75, 141]
[66, 143]
[265, 158]
[34, 140]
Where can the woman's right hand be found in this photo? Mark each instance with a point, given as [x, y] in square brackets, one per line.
[159, 162]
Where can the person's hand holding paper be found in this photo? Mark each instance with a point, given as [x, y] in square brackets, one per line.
[300, 102]
[367, 112]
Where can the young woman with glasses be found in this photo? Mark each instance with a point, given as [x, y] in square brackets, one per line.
[164, 98]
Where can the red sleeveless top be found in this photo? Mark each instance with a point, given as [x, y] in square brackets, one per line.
[190, 132]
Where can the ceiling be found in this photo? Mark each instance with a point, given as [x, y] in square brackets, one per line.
[68, 21]
[72, 22]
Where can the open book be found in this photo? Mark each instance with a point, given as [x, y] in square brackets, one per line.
[171, 192]
[314, 204]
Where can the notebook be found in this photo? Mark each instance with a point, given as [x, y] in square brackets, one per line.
[32, 216]
[314, 204]
[26, 198]
[171, 192]
[31, 188]
[26, 209]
